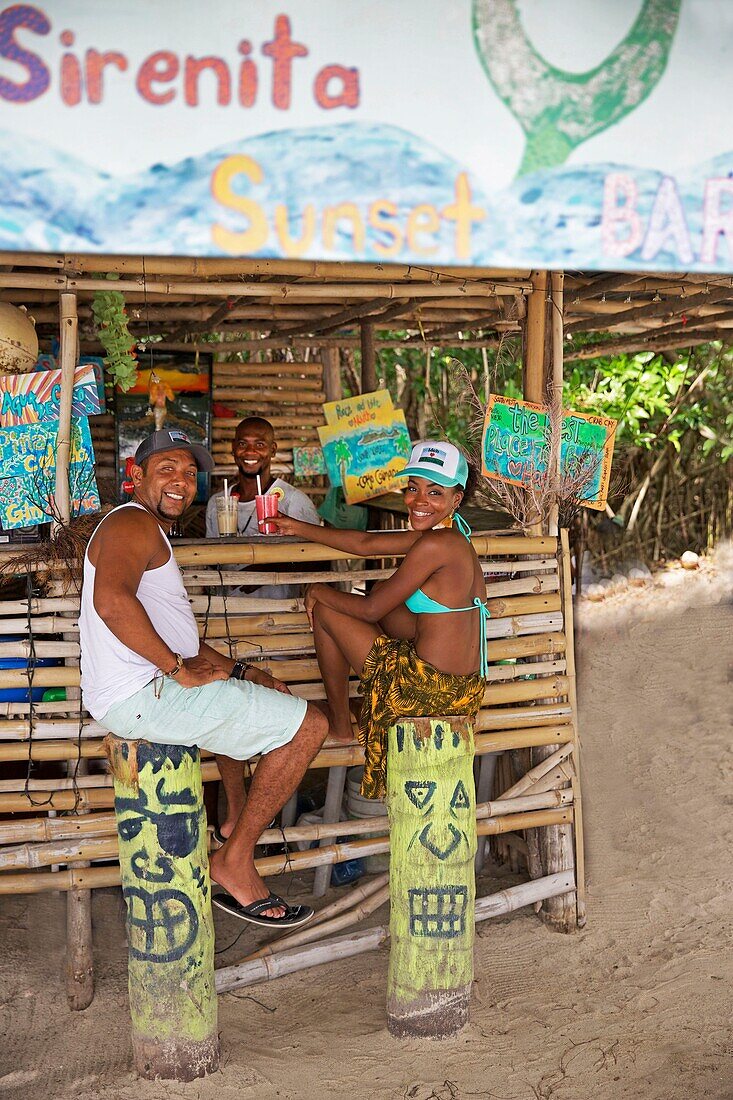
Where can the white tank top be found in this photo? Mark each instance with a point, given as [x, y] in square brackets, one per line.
[110, 672]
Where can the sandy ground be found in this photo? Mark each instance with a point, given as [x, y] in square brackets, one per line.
[635, 1005]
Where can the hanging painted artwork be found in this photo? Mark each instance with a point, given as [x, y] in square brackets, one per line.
[516, 447]
[365, 446]
[308, 461]
[30, 398]
[28, 462]
[172, 391]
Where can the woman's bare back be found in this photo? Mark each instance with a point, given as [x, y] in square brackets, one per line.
[450, 642]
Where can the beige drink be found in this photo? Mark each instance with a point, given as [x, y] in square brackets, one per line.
[226, 515]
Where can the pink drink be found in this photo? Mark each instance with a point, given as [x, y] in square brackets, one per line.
[266, 506]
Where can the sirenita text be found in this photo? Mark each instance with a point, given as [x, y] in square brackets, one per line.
[86, 73]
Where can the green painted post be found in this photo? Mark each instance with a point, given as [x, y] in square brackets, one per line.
[161, 826]
[432, 818]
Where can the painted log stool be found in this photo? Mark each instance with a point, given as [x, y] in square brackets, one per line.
[432, 819]
[161, 828]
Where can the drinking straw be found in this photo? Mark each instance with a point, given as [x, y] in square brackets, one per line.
[259, 486]
[226, 489]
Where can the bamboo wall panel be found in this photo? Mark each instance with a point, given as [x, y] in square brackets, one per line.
[289, 395]
[525, 705]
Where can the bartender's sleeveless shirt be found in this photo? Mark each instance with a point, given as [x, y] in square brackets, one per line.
[110, 672]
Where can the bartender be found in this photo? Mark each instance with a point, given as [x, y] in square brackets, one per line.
[253, 449]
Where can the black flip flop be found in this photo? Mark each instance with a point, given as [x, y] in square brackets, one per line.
[292, 917]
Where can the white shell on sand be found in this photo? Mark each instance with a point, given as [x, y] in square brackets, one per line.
[18, 340]
[639, 577]
[690, 560]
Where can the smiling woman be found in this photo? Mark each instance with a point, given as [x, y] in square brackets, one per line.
[409, 640]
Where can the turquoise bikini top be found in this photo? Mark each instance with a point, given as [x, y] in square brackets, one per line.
[421, 604]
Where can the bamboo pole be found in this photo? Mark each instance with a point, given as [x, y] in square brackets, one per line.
[348, 901]
[539, 771]
[101, 843]
[566, 580]
[288, 962]
[217, 266]
[280, 549]
[59, 794]
[533, 384]
[283, 292]
[96, 877]
[44, 829]
[355, 913]
[67, 358]
[557, 343]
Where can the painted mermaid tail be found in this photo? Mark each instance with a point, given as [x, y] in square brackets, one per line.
[559, 110]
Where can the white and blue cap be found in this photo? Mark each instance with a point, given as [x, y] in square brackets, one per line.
[439, 462]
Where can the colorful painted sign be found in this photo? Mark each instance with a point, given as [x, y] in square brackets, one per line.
[172, 391]
[34, 397]
[359, 411]
[308, 461]
[573, 134]
[366, 448]
[28, 463]
[516, 448]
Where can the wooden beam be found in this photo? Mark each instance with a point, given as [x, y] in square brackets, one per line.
[368, 358]
[655, 309]
[336, 320]
[331, 373]
[68, 360]
[282, 292]
[533, 371]
[220, 265]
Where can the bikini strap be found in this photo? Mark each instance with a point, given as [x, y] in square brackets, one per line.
[484, 616]
[461, 524]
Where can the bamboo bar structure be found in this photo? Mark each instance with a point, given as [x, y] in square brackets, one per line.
[526, 703]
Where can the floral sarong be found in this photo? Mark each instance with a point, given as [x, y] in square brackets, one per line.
[396, 683]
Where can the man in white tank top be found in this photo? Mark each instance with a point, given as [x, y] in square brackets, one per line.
[145, 674]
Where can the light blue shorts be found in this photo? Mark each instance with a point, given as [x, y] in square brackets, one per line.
[232, 717]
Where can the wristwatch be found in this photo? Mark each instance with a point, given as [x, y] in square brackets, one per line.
[239, 671]
[179, 665]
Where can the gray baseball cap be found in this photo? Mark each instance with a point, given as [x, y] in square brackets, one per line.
[172, 439]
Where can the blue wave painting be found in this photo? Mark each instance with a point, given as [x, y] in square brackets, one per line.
[552, 218]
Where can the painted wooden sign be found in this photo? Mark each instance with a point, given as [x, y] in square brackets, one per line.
[28, 463]
[516, 448]
[308, 461]
[366, 446]
[30, 398]
[573, 135]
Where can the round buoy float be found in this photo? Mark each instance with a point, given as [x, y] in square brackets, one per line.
[18, 340]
